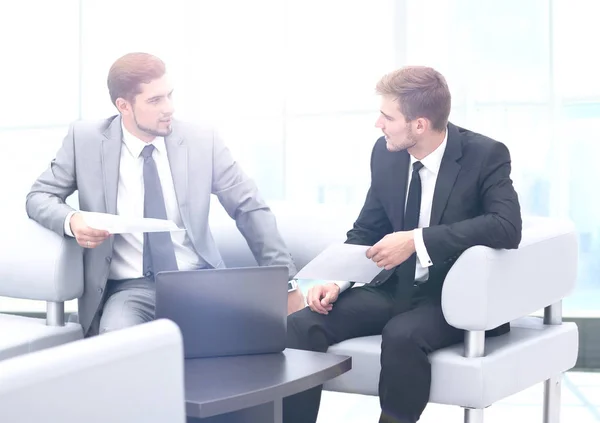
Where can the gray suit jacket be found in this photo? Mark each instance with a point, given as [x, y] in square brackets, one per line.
[88, 161]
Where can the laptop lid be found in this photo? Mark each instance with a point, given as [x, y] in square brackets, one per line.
[226, 311]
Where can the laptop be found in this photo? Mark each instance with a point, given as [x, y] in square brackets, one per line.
[223, 312]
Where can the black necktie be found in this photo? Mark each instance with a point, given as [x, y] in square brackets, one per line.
[405, 272]
[159, 253]
[413, 203]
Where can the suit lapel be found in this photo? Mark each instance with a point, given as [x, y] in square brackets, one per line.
[177, 153]
[446, 178]
[111, 155]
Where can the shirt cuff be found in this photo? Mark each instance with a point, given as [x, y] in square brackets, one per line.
[344, 285]
[68, 224]
[422, 254]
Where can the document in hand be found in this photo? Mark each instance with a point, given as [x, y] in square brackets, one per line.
[341, 262]
[115, 224]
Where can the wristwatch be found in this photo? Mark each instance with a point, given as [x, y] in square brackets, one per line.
[292, 285]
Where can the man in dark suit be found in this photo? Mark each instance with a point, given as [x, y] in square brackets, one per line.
[436, 190]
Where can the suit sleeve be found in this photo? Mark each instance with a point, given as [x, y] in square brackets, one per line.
[500, 224]
[372, 223]
[240, 197]
[46, 200]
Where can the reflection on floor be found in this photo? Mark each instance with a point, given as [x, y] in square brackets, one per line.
[580, 404]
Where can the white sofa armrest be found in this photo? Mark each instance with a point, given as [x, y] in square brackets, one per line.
[486, 288]
[130, 375]
[38, 264]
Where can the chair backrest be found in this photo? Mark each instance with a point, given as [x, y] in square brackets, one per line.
[306, 230]
[131, 375]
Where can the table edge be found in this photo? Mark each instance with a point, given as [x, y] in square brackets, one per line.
[268, 394]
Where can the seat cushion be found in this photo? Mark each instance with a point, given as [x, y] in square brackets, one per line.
[20, 335]
[531, 353]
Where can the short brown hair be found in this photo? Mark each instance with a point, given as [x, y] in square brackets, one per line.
[421, 92]
[131, 70]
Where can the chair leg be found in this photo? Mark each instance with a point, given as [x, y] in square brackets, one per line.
[473, 415]
[552, 399]
[55, 313]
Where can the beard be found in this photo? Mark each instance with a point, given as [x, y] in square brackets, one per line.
[150, 131]
[408, 142]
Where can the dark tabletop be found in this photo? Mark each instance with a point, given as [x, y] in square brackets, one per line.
[223, 384]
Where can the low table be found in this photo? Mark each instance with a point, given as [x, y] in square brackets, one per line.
[250, 388]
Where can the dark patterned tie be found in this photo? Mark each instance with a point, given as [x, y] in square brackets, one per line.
[159, 253]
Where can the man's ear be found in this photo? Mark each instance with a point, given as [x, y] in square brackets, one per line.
[123, 106]
[420, 125]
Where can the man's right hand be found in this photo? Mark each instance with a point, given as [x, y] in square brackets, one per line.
[86, 237]
[320, 298]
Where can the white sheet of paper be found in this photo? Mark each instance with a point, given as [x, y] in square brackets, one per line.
[125, 225]
[341, 262]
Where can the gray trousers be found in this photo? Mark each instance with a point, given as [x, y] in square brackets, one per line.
[128, 303]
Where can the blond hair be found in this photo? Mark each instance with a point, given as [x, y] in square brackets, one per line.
[420, 92]
[131, 70]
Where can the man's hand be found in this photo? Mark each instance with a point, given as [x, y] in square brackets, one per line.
[86, 236]
[295, 301]
[393, 249]
[320, 298]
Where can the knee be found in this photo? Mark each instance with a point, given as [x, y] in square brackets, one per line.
[117, 318]
[298, 325]
[304, 331]
[110, 325]
[399, 339]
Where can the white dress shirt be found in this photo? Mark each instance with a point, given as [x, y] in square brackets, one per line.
[428, 173]
[128, 249]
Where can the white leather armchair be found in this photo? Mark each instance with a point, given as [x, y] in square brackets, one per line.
[131, 375]
[37, 264]
[484, 289]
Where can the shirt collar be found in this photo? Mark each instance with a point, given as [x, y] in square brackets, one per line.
[433, 160]
[136, 145]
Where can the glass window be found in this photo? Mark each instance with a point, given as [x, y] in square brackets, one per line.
[489, 51]
[40, 63]
[24, 155]
[328, 157]
[576, 32]
[290, 86]
[336, 52]
[257, 145]
[234, 63]
[112, 28]
[509, 49]
[578, 143]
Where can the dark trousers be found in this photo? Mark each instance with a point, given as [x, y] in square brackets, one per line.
[407, 339]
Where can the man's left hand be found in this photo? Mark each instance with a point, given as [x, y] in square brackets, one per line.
[393, 249]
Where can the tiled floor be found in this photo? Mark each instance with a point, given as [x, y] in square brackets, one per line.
[580, 404]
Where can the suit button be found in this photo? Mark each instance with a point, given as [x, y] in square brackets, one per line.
[108, 259]
[100, 290]
[148, 274]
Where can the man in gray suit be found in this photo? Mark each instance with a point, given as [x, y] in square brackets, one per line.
[143, 163]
